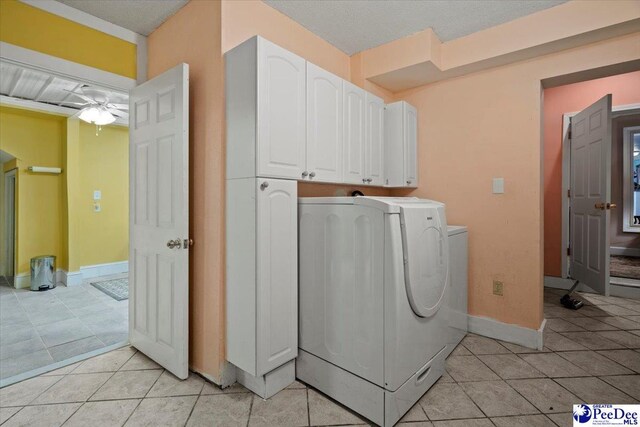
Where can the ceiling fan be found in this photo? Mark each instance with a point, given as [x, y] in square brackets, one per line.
[97, 108]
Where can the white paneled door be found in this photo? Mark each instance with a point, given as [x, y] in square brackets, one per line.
[590, 188]
[354, 134]
[324, 125]
[277, 278]
[159, 219]
[374, 140]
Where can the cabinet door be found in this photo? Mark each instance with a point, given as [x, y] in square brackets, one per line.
[281, 112]
[277, 273]
[324, 125]
[410, 146]
[354, 134]
[374, 140]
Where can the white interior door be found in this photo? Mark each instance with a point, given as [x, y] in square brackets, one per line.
[590, 188]
[159, 219]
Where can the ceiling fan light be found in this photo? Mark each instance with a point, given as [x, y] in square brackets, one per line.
[89, 114]
[104, 118]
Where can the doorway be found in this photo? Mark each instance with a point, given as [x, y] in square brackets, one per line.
[8, 216]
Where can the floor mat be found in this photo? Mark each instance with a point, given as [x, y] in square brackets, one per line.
[117, 289]
[625, 266]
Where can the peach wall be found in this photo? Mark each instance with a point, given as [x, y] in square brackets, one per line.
[471, 128]
[625, 89]
[486, 125]
[193, 36]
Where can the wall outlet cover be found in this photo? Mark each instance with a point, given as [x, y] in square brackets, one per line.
[498, 185]
[97, 207]
[498, 288]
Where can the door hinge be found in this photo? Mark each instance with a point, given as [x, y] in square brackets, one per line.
[568, 192]
[569, 133]
[568, 251]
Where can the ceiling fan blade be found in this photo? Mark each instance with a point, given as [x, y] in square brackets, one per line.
[75, 103]
[81, 96]
[119, 113]
[118, 106]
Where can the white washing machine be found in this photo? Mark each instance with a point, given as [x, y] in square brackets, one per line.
[373, 289]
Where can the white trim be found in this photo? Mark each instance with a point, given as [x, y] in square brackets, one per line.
[97, 270]
[508, 332]
[57, 365]
[625, 251]
[85, 19]
[9, 262]
[618, 287]
[73, 278]
[617, 111]
[22, 280]
[63, 68]
[627, 179]
[141, 59]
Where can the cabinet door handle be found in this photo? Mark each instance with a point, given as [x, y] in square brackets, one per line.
[364, 180]
[408, 182]
[264, 185]
[369, 179]
[304, 174]
[312, 174]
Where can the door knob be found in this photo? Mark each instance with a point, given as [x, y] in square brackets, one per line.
[172, 244]
[611, 206]
[600, 206]
[312, 174]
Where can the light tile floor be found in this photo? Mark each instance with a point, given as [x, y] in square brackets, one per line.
[41, 328]
[590, 355]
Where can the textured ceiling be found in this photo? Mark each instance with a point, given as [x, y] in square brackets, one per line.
[356, 25]
[141, 16]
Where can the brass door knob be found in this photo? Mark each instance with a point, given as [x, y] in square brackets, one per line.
[611, 206]
[600, 206]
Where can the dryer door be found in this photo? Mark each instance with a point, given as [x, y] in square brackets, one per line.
[426, 257]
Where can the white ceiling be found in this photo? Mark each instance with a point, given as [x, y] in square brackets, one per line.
[356, 25]
[5, 157]
[35, 85]
[141, 16]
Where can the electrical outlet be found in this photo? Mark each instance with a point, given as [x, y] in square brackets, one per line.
[498, 287]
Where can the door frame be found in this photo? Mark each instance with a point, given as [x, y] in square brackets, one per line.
[616, 111]
[10, 225]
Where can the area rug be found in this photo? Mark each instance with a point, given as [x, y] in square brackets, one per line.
[625, 266]
[117, 289]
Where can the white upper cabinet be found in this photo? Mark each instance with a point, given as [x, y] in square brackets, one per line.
[374, 140]
[354, 134]
[411, 146]
[281, 111]
[288, 118]
[324, 125]
[401, 145]
[266, 111]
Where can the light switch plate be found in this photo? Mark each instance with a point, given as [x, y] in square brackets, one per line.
[97, 194]
[498, 185]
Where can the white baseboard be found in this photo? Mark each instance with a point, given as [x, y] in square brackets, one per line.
[619, 287]
[91, 271]
[22, 281]
[508, 332]
[70, 278]
[615, 250]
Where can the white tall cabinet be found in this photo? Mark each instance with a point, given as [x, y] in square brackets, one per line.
[266, 127]
[374, 140]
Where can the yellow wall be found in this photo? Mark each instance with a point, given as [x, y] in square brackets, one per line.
[55, 212]
[36, 140]
[102, 237]
[35, 29]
